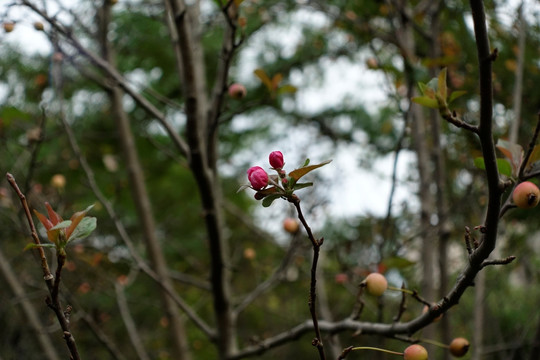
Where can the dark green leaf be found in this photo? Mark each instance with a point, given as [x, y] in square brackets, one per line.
[267, 201]
[299, 186]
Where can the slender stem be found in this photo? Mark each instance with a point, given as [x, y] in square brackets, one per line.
[530, 149]
[406, 291]
[377, 349]
[434, 342]
[47, 276]
[53, 302]
[313, 285]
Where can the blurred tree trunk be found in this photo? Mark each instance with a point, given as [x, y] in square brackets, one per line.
[421, 146]
[142, 199]
[43, 338]
[202, 115]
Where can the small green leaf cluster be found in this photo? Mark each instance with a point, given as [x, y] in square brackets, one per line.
[435, 93]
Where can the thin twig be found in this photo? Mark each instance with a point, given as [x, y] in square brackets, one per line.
[316, 244]
[53, 302]
[530, 149]
[504, 261]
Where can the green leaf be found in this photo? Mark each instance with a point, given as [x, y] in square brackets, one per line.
[85, 228]
[306, 163]
[502, 164]
[442, 89]
[61, 225]
[242, 188]
[455, 94]
[35, 246]
[298, 173]
[299, 186]
[426, 101]
[287, 89]
[267, 201]
[397, 262]
[423, 88]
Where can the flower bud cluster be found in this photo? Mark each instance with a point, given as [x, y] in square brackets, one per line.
[259, 178]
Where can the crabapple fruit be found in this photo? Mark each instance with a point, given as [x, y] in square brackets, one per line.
[9, 26]
[459, 347]
[415, 352]
[376, 284]
[58, 181]
[237, 91]
[290, 225]
[526, 195]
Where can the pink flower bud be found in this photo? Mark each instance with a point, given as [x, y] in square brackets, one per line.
[257, 177]
[276, 159]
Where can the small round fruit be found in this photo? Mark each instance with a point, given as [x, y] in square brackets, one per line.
[290, 225]
[459, 347]
[9, 26]
[58, 181]
[237, 91]
[526, 195]
[415, 352]
[249, 253]
[376, 284]
[38, 25]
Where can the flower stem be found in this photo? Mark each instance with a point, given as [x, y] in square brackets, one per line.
[406, 291]
[377, 349]
[434, 342]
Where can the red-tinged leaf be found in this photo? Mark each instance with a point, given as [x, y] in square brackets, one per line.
[53, 216]
[442, 89]
[43, 219]
[276, 80]
[456, 94]
[261, 74]
[535, 156]
[298, 173]
[426, 101]
[514, 153]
